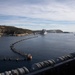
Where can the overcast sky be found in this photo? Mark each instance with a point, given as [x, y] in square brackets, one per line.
[38, 14]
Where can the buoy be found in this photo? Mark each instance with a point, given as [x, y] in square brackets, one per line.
[6, 73]
[36, 66]
[21, 71]
[29, 57]
[26, 70]
[14, 72]
[51, 62]
[18, 71]
[46, 63]
[9, 72]
[42, 64]
[2, 73]
[69, 56]
[60, 58]
[17, 59]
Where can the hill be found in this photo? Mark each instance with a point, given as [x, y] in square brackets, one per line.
[10, 30]
[49, 31]
[54, 31]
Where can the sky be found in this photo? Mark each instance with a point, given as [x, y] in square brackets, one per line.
[38, 14]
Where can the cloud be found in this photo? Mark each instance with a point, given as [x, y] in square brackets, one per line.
[43, 13]
[51, 11]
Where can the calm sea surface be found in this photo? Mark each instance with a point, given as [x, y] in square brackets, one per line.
[43, 47]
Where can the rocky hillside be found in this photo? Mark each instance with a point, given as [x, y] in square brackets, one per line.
[10, 30]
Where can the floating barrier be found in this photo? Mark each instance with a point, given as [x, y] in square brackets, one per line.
[26, 70]
[43, 66]
[37, 66]
[12, 59]
[14, 72]
[21, 71]
[48, 63]
[2, 74]
[6, 73]
[18, 71]
[25, 55]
